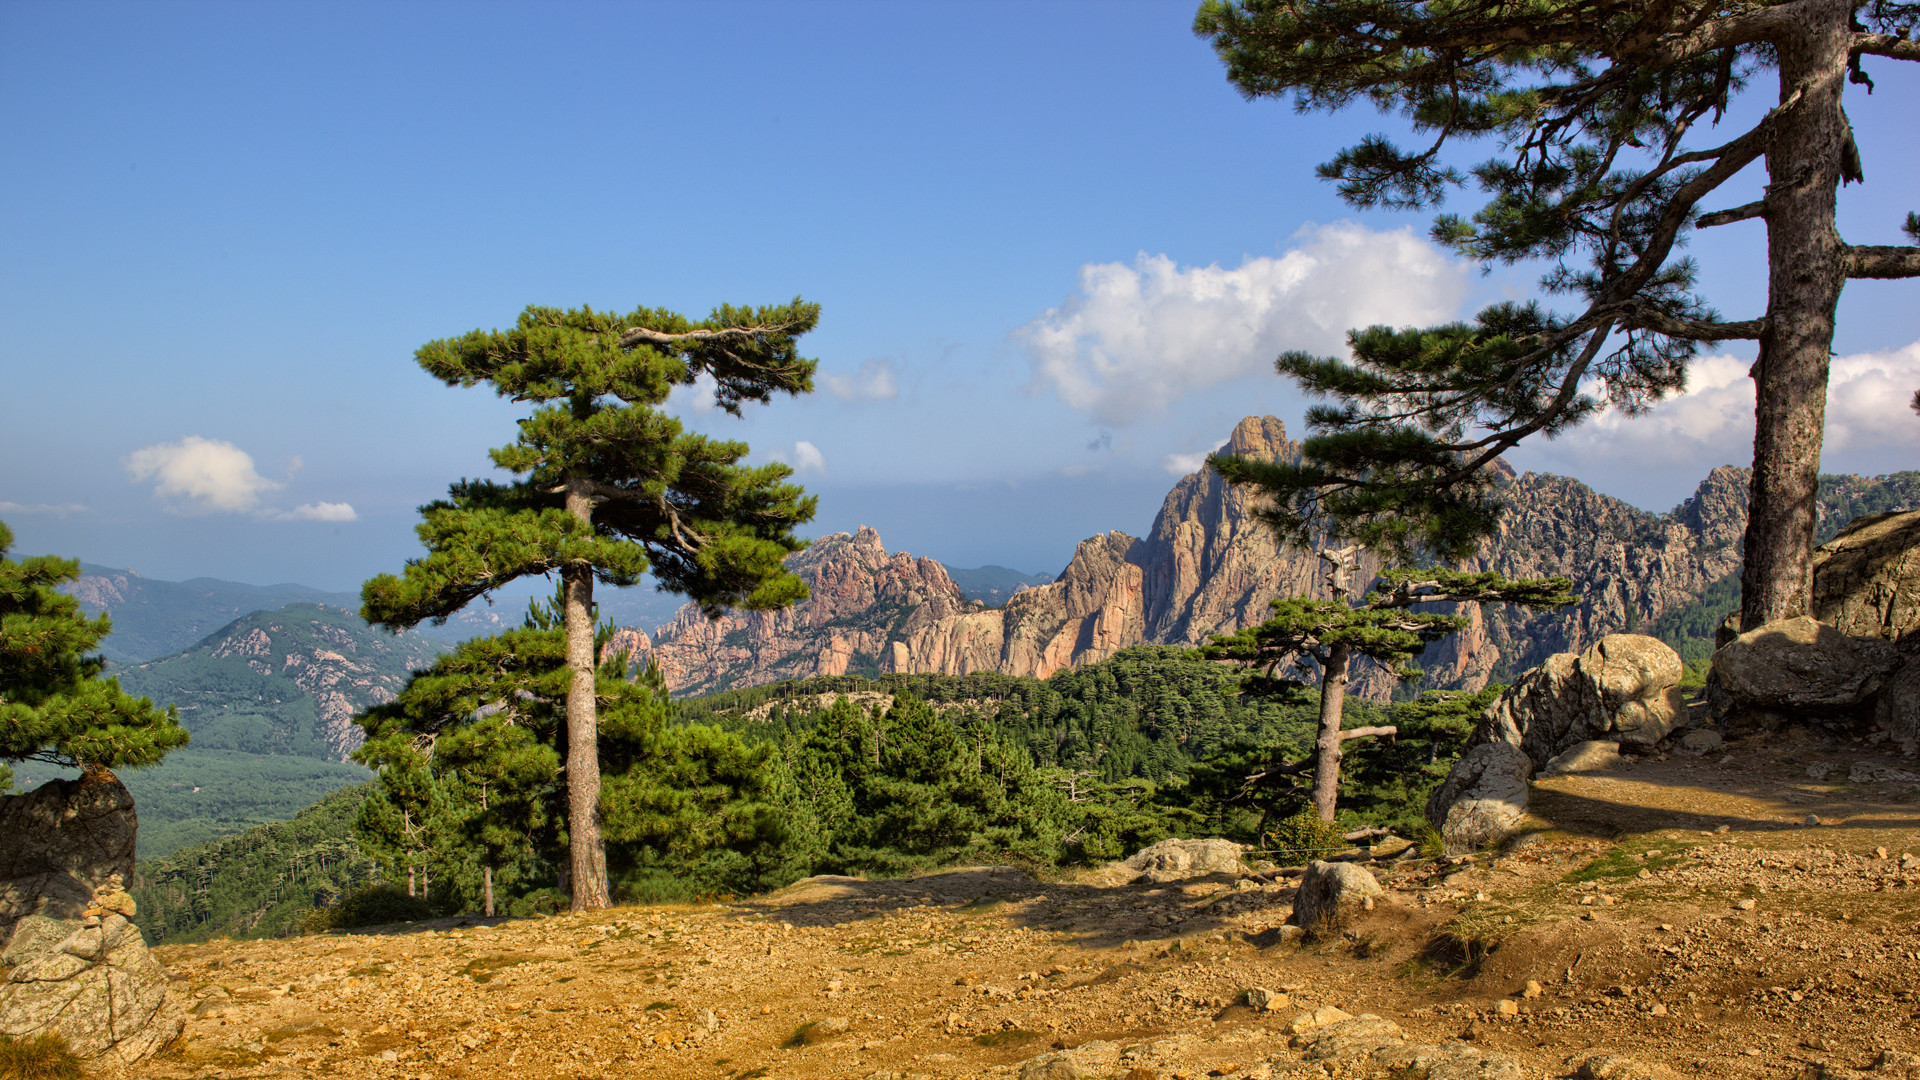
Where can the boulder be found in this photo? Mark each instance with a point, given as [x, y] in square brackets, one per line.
[1866, 580]
[1483, 798]
[70, 961]
[1594, 755]
[1898, 710]
[1624, 690]
[1803, 666]
[1330, 892]
[1177, 860]
[1702, 741]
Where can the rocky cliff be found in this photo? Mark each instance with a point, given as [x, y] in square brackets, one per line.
[1208, 566]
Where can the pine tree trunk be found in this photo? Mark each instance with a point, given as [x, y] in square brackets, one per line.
[486, 875]
[1806, 270]
[1333, 700]
[587, 854]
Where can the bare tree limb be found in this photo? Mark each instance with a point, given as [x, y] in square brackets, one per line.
[641, 335]
[1728, 217]
[1692, 329]
[1885, 45]
[1368, 732]
[1882, 261]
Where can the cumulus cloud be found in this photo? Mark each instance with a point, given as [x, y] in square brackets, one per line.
[201, 474]
[319, 511]
[699, 397]
[1869, 427]
[1135, 337]
[877, 380]
[804, 457]
[59, 510]
[1182, 464]
[214, 476]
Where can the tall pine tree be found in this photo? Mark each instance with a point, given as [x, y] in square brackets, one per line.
[1602, 109]
[55, 707]
[610, 488]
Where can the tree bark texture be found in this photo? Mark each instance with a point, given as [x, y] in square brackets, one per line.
[486, 873]
[1333, 699]
[1807, 266]
[587, 853]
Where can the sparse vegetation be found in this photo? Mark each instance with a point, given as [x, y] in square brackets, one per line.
[43, 1057]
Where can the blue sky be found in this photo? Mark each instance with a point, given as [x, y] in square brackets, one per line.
[1054, 249]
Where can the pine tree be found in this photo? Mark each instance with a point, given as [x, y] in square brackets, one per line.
[1383, 628]
[1599, 106]
[611, 488]
[55, 707]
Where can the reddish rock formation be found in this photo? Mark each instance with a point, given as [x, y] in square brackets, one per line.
[1207, 567]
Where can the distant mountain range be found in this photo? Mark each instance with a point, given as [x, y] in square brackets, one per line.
[1208, 567]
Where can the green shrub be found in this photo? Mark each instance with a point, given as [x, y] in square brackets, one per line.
[45, 1057]
[1302, 838]
[374, 906]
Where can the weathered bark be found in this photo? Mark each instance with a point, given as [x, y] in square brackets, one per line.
[1807, 266]
[486, 877]
[587, 853]
[1326, 763]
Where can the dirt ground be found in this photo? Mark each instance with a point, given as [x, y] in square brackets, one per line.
[1682, 912]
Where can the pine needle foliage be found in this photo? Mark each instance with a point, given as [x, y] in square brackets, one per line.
[1605, 116]
[609, 487]
[1323, 637]
[55, 705]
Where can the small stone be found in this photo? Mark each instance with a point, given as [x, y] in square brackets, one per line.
[1746, 904]
[1533, 990]
[1658, 1009]
[1879, 853]
[1260, 999]
[1507, 1007]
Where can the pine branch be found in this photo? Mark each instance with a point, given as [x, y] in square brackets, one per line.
[1882, 261]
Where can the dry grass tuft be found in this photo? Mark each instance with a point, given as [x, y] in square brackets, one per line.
[45, 1057]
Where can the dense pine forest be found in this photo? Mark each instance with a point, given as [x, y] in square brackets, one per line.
[834, 775]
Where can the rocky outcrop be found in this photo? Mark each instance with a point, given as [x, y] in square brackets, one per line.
[70, 961]
[1802, 666]
[1866, 580]
[1623, 690]
[1208, 566]
[1178, 860]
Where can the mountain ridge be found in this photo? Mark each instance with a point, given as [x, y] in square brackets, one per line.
[1208, 566]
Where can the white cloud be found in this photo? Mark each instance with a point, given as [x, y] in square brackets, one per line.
[320, 511]
[804, 457]
[201, 474]
[1182, 464]
[699, 397]
[59, 510]
[1134, 338]
[1656, 458]
[877, 380]
[212, 476]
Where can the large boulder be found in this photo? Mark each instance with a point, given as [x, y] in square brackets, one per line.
[1331, 893]
[1866, 581]
[1177, 860]
[70, 961]
[1898, 710]
[1624, 689]
[1803, 666]
[1483, 797]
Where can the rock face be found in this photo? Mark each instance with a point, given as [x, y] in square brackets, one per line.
[1330, 892]
[70, 960]
[1207, 566]
[1866, 580]
[1802, 666]
[1622, 690]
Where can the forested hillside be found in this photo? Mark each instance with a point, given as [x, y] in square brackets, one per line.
[262, 883]
[283, 682]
